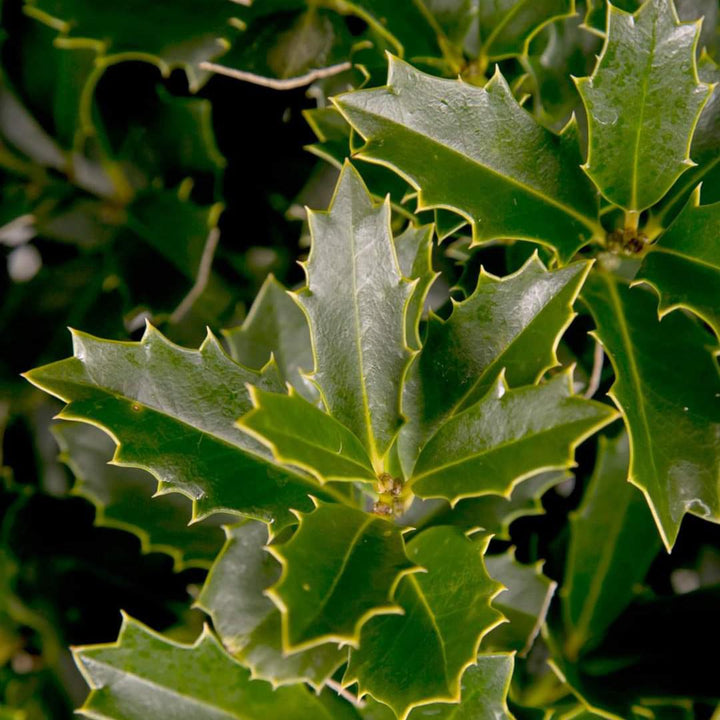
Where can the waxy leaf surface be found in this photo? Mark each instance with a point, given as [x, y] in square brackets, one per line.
[340, 568]
[300, 434]
[670, 400]
[512, 323]
[504, 172]
[684, 264]
[173, 413]
[484, 690]
[248, 622]
[122, 497]
[274, 326]
[642, 102]
[356, 303]
[505, 437]
[613, 540]
[524, 603]
[144, 676]
[419, 657]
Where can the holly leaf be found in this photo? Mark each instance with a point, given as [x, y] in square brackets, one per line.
[298, 433]
[668, 400]
[356, 302]
[683, 266]
[172, 412]
[512, 323]
[414, 253]
[507, 27]
[181, 37]
[645, 94]
[274, 326]
[505, 437]
[143, 674]
[612, 543]
[248, 621]
[524, 603]
[484, 690]
[509, 176]
[703, 151]
[419, 657]
[121, 498]
[495, 513]
[339, 569]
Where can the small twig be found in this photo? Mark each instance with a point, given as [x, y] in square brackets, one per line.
[594, 382]
[202, 277]
[277, 84]
[342, 692]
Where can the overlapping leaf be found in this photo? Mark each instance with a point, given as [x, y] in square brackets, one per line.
[172, 412]
[504, 172]
[512, 323]
[669, 400]
[505, 437]
[684, 264]
[144, 675]
[122, 499]
[644, 94]
[419, 657]
[340, 569]
[247, 620]
[356, 303]
[612, 543]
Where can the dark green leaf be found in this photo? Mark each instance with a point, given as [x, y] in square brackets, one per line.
[300, 434]
[419, 657]
[247, 620]
[505, 173]
[144, 675]
[512, 323]
[122, 499]
[644, 95]
[683, 266]
[669, 400]
[172, 412]
[340, 569]
[612, 543]
[356, 302]
[505, 437]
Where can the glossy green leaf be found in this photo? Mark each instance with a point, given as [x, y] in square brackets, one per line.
[524, 603]
[274, 326]
[122, 499]
[505, 437]
[414, 253]
[172, 412]
[612, 543]
[177, 37]
[419, 657]
[484, 690]
[300, 434]
[512, 323]
[703, 151]
[683, 266]
[247, 620]
[144, 675]
[356, 302]
[669, 400]
[505, 173]
[644, 95]
[507, 26]
[339, 570]
[495, 513]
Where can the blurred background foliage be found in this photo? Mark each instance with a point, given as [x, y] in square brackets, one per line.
[155, 160]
